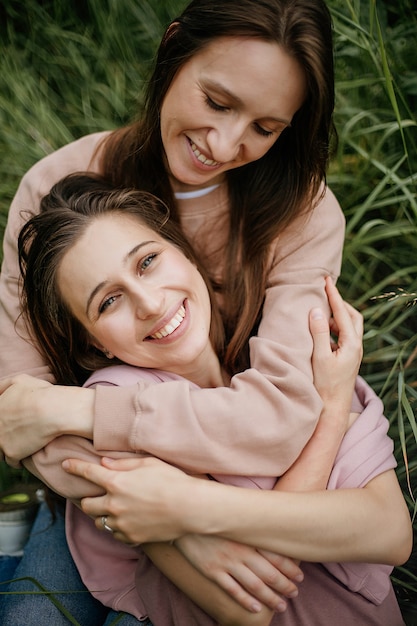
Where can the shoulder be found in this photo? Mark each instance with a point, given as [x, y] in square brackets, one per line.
[79, 155]
[315, 237]
[325, 216]
[329, 208]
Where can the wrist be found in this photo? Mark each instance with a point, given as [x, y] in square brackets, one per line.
[73, 411]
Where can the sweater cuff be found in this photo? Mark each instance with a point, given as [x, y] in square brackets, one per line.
[115, 417]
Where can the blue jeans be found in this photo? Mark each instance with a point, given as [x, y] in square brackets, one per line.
[47, 560]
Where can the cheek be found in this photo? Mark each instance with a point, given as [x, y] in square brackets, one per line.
[110, 334]
[260, 150]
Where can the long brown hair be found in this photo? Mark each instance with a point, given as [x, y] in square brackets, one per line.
[267, 194]
[65, 213]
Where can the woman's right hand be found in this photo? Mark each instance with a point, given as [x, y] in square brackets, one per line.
[336, 365]
[246, 574]
[33, 412]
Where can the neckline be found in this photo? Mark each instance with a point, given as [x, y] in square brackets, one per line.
[197, 193]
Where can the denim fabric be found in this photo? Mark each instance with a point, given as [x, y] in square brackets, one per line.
[47, 559]
[8, 566]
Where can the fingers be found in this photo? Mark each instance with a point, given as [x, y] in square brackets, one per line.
[357, 319]
[320, 332]
[91, 471]
[285, 565]
[259, 578]
[241, 586]
[346, 319]
[122, 465]
[240, 595]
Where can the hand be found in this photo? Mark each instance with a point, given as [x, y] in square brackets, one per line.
[336, 365]
[245, 573]
[21, 432]
[33, 412]
[141, 500]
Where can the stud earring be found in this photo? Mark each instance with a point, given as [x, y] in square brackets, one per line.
[108, 354]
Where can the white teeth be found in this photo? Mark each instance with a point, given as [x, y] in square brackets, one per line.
[201, 157]
[171, 326]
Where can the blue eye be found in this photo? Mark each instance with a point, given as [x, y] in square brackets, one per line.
[105, 305]
[146, 262]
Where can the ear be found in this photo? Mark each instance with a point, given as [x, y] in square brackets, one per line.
[170, 31]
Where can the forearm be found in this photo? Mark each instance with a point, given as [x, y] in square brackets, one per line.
[47, 466]
[205, 593]
[71, 411]
[312, 469]
[308, 526]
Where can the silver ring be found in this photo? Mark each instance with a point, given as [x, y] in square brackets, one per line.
[105, 525]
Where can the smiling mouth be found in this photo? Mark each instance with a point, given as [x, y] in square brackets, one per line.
[200, 157]
[172, 325]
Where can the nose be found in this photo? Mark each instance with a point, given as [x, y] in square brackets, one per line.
[148, 301]
[226, 141]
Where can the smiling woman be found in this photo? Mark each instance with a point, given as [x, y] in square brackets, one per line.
[149, 289]
[225, 108]
[115, 262]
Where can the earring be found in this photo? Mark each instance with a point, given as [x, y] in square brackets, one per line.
[108, 354]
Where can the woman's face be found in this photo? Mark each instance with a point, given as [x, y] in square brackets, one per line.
[136, 294]
[226, 107]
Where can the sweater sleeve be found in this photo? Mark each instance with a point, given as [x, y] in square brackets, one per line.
[18, 354]
[259, 424]
[46, 464]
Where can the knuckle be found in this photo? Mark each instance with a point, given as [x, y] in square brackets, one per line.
[257, 587]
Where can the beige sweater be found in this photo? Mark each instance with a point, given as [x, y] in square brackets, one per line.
[262, 421]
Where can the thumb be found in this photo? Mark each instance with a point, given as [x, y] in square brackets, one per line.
[319, 329]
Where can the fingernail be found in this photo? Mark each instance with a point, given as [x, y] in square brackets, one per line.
[317, 314]
[65, 465]
[256, 608]
[293, 594]
[281, 607]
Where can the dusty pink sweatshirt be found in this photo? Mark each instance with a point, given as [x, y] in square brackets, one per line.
[270, 410]
[123, 578]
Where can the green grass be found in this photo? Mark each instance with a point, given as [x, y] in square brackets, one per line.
[67, 69]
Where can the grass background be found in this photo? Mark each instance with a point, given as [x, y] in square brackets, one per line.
[67, 69]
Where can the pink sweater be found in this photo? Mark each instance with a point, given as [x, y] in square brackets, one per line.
[270, 410]
[116, 573]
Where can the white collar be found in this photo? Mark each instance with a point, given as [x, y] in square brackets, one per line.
[198, 193]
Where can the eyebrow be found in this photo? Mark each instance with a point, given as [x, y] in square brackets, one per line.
[216, 86]
[103, 283]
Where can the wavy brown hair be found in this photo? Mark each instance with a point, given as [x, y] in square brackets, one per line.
[65, 213]
[266, 195]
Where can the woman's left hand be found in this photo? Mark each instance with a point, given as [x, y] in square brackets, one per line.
[141, 503]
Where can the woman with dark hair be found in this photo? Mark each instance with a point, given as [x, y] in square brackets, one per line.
[107, 279]
[234, 138]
